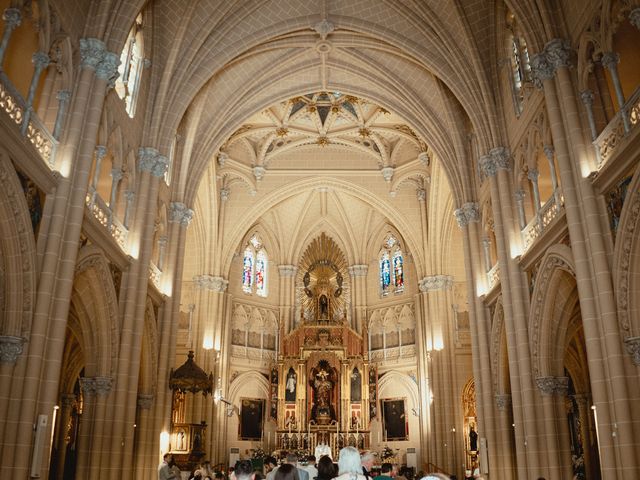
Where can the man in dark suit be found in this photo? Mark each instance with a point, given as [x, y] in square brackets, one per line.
[367, 460]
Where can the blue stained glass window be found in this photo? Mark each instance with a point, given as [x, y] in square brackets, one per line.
[247, 270]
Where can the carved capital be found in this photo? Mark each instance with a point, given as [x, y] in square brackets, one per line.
[358, 270]
[40, 60]
[10, 348]
[471, 211]
[435, 282]
[421, 193]
[209, 282]
[424, 158]
[180, 213]
[587, 97]
[160, 166]
[610, 60]
[91, 52]
[632, 345]
[502, 401]
[130, 195]
[287, 270]
[553, 385]
[541, 69]
[533, 175]
[634, 17]
[222, 158]
[488, 166]
[387, 173]
[87, 385]
[224, 194]
[100, 152]
[519, 194]
[107, 69]
[145, 402]
[63, 96]
[461, 218]
[559, 53]
[117, 174]
[102, 385]
[549, 151]
[67, 400]
[501, 157]
[12, 18]
[146, 158]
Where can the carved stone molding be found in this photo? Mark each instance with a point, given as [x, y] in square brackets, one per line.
[287, 270]
[180, 213]
[553, 385]
[502, 401]
[145, 402]
[501, 157]
[436, 282]
[387, 173]
[358, 270]
[100, 386]
[421, 194]
[91, 52]
[10, 348]
[626, 235]
[222, 158]
[67, 400]
[559, 53]
[12, 18]
[224, 194]
[324, 28]
[468, 213]
[541, 69]
[633, 348]
[258, 172]
[609, 60]
[209, 282]
[107, 69]
[587, 98]
[40, 60]
[424, 158]
[146, 158]
[488, 166]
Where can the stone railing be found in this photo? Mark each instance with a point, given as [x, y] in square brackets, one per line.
[155, 274]
[12, 103]
[539, 223]
[103, 214]
[608, 141]
[493, 276]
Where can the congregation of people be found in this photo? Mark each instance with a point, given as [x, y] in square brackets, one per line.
[351, 465]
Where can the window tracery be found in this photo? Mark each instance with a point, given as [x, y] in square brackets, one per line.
[131, 60]
[254, 268]
[391, 262]
[520, 65]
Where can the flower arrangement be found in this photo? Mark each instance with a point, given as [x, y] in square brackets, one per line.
[258, 453]
[387, 453]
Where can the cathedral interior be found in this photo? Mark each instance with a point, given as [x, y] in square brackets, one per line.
[248, 227]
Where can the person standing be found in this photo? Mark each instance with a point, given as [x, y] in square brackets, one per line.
[385, 472]
[349, 465]
[164, 470]
[367, 464]
[311, 467]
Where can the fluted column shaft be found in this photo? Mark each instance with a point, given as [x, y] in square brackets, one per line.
[358, 274]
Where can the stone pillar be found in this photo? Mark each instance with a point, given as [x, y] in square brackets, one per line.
[593, 275]
[145, 460]
[547, 387]
[522, 219]
[180, 216]
[130, 195]
[162, 246]
[495, 166]
[116, 176]
[12, 18]
[40, 61]
[610, 61]
[358, 274]
[100, 153]
[468, 219]
[287, 298]
[67, 402]
[102, 418]
[63, 97]
[533, 178]
[118, 456]
[505, 434]
[548, 152]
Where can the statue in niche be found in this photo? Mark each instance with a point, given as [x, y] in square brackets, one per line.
[322, 381]
[290, 387]
[323, 303]
[356, 385]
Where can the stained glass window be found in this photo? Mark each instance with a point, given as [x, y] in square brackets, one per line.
[247, 270]
[254, 268]
[391, 266]
[261, 274]
[127, 84]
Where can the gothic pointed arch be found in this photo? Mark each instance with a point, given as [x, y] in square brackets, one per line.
[17, 256]
[554, 293]
[499, 353]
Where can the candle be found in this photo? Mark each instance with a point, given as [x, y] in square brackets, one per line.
[337, 428]
[268, 441]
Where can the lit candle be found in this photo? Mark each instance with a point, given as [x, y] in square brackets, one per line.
[337, 428]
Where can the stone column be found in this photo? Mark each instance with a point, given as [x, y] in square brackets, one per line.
[162, 246]
[83, 450]
[287, 298]
[145, 453]
[468, 219]
[593, 275]
[547, 387]
[116, 176]
[152, 167]
[610, 61]
[100, 153]
[505, 434]
[548, 152]
[102, 418]
[63, 97]
[522, 219]
[180, 216]
[12, 18]
[533, 178]
[358, 274]
[495, 166]
[40, 61]
[10, 350]
[130, 195]
[67, 402]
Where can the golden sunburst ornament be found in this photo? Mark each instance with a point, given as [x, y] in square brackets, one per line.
[364, 132]
[323, 141]
[282, 132]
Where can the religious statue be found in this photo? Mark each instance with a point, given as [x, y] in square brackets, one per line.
[473, 440]
[324, 307]
[322, 381]
[356, 385]
[290, 388]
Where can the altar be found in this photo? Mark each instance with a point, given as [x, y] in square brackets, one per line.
[321, 385]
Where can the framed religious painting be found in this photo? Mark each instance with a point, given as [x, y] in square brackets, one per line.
[394, 419]
[251, 418]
